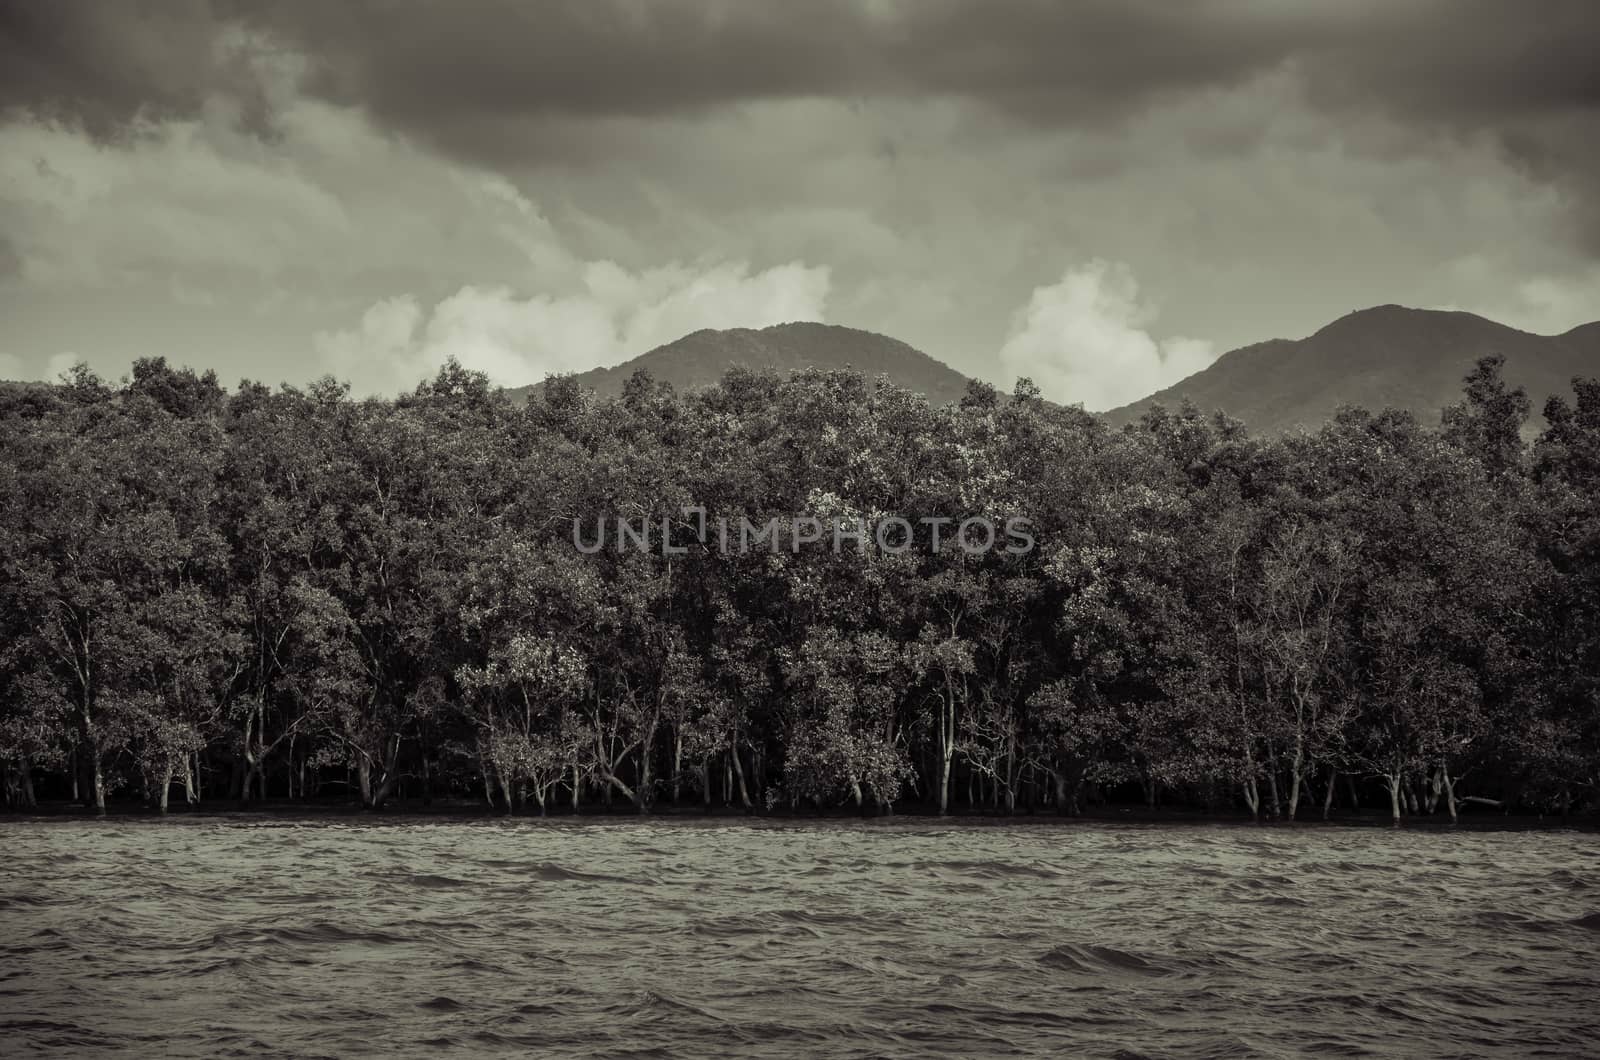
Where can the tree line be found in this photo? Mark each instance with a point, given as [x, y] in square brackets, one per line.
[291, 594]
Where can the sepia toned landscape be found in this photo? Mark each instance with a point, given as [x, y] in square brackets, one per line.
[288, 594]
[867, 528]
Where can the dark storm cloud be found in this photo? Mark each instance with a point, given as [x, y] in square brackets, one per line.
[1524, 74]
[100, 64]
[642, 59]
[493, 81]
[1467, 59]
[469, 76]
[426, 66]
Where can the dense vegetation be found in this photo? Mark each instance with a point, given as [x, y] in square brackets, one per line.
[292, 594]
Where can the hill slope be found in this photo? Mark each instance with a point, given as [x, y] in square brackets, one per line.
[1386, 356]
[700, 358]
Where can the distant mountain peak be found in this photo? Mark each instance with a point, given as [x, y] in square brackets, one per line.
[1390, 316]
[1383, 356]
[701, 358]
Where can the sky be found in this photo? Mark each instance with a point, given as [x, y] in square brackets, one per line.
[1102, 195]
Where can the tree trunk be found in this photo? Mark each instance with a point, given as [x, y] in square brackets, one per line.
[1297, 766]
[390, 777]
[1327, 800]
[1066, 795]
[738, 771]
[248, 761]
[506, 793]
[246, 788]
[94, 776]
[99, 784]
[947, 753]
[610, 780]
[677, 761]
[1393, 780]
[386, 788]
[641, 794]
[166, 786]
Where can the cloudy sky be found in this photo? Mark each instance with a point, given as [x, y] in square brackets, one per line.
[1102, 195]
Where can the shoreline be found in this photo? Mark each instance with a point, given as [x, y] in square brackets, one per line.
[463, 812]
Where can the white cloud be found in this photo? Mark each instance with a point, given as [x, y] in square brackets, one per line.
[1553, 304]
[336, 215]
[206, 220]
[59, 364]
[1544, 304]
[1084, 340]
[613, 316]
[1253, 213]
[384, 341]
[181, 195]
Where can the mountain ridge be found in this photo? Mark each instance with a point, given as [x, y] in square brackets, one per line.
[700, 359]
[1383, 356]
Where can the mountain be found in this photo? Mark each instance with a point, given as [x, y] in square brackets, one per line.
[1386, 356]
[699, 359]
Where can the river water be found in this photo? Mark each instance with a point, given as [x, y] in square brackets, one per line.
[252, 935]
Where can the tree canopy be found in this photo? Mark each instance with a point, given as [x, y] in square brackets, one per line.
[294, 594]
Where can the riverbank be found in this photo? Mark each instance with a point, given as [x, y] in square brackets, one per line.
[463, 810]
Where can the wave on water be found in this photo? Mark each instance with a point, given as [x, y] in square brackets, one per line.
[1096, 960]
[323, 933]
[553, 873]
[766, 940]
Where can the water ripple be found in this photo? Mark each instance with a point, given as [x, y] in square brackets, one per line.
[250, 935]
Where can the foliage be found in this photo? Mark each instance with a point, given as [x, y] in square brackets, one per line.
[291, 593]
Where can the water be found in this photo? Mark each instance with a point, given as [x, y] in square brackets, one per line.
[241, 936]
